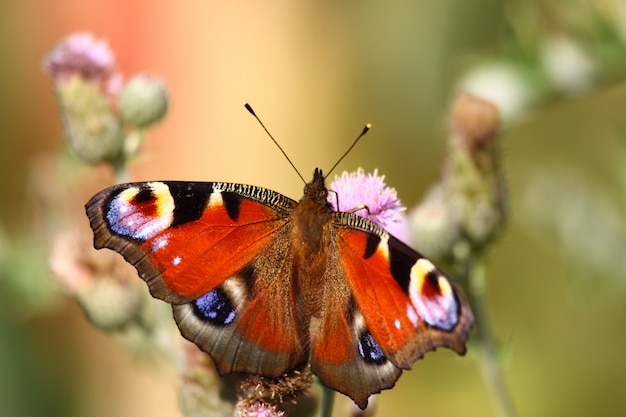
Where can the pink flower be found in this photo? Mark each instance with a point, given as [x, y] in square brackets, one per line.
[357, 190]
[83, 55]
[261, 410]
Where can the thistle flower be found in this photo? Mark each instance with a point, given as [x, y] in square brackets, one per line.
[85, 80]
[259, 410]
[83, 55]
[368, 196]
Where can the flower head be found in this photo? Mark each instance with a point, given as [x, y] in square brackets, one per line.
[84, 55]
[359, 190]
[86, 83]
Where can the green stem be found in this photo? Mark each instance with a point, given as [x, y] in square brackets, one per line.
[130, 149]
[488, 355]
[328, 397]
[120, 170]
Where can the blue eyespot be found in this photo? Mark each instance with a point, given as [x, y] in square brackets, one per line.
[369, 349]
[215, 307]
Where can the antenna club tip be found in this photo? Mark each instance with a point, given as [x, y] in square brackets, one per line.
[368, 125]
[249, 108]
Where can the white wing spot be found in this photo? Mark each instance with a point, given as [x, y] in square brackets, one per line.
[397, 324]
[176, 261]
[160, 242]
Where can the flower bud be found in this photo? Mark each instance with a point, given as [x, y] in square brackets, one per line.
[110, 304]
[143, 101]
[104, 285]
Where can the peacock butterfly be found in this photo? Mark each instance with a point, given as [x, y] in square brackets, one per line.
[265, 284]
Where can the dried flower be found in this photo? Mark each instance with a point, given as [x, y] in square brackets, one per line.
[475, 120]
[261, 395]
[472, 181]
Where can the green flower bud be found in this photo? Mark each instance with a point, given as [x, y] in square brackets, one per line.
[105, 286]
[143, 101]
[110, 304]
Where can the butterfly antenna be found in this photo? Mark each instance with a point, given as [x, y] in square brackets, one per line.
[249, 108]
[365, 129]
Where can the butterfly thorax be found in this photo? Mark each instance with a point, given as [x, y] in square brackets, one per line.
[310, 240]
[311, 217]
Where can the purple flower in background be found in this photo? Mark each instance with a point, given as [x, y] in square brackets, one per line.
[358, 189]
[87, 84]
[84, 55]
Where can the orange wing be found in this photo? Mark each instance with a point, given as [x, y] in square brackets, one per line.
[210, 249]
[399, 307]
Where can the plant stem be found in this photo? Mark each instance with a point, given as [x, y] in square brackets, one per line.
[120, 171]
[328, 397]
[488, 355]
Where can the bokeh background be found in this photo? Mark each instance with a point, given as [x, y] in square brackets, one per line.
[316, 72]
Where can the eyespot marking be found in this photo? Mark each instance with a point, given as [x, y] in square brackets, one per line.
[433, 296]
[369, 349]
[215, 307]
[141, 213]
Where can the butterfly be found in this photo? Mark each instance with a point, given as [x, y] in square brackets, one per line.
[265, 284]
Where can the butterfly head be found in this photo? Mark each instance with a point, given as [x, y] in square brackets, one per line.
[316, 189]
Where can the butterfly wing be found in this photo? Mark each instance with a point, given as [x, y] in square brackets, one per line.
[400, 306]
[211, 250]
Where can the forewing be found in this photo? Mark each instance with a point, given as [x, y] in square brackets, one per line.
[186, 238]
[211, 249]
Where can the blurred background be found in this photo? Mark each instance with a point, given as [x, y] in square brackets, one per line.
[316, 72]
